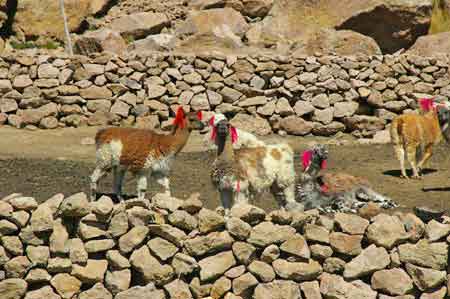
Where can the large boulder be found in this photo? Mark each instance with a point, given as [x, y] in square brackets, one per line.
[155, 42]
[290, 21]
[43, 18]
[99, 41]
[340, 42]
[431, 45]
[139, 25]
[211, 20]
[253, 124]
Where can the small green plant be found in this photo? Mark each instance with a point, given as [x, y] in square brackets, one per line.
[129, 39]
[22, 45]
[50, 45]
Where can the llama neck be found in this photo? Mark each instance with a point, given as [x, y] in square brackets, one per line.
[225, 152]
[178, 138]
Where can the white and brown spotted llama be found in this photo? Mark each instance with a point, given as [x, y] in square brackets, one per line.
[239, 174]
[142, 152]
[245, 139]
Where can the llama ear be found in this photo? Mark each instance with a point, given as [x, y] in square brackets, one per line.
[199, 115]
[234, 134]
[306, 159]
[179, 117]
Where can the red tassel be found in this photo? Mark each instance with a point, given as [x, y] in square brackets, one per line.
[324, 164]
[234, 135]
[324, 188]
[238, 186]
[199, 115]
[211, 121]
[306, 159]
[426, 104]
[179, 118]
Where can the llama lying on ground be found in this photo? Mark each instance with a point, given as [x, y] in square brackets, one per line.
[411, 133]
[241, 173]
[244, 140]
[333, 192]
[141, 152]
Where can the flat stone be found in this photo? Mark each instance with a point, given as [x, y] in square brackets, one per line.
[13, 288]
[150, 268]
[214, 266]
[264, 272]
[118, 281]
[267, 233]
[297, 271]
[368, 261]
[66, 285]
[93, 272]
[394, 282]
[425, 254]
[133, 238]
[162, 249]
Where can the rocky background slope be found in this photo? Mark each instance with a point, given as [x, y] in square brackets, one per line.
[237, 26]
[70, 248]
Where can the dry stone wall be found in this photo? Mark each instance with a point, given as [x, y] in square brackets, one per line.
[70, 248]
[297, 95]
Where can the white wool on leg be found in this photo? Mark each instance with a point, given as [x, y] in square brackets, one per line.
[141, 185]
[119, 175]
[96, 175]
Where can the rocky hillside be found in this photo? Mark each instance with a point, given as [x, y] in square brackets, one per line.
[236, 26]
[70, 248]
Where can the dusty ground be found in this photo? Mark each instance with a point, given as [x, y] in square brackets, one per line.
[42, 163]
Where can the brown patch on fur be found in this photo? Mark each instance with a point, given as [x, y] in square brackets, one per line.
[139, 144]
[342, 182]
[250, 157]
[275, 154]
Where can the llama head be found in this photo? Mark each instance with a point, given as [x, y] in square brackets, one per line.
[219, 124]
[443, 115]
[190, 120]
[317, 156]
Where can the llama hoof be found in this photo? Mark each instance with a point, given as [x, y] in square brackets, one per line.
[416, 177]
[405, 177]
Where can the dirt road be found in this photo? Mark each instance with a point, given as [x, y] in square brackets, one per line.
[42, 163]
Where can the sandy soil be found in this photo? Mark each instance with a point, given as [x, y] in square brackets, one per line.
[42, 163]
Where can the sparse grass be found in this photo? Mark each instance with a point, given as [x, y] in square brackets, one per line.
[129, 39]
[440, 17]
[49, 45]
[22, 45]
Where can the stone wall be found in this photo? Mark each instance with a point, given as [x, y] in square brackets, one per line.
[298, 95]
[70, 248]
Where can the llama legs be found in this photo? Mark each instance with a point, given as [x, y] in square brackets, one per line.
[141, 185]
[96, 175]
[400, 153]
[118, 175]
[411, 154]
[162, 180]
[226, 198]
[426, 156]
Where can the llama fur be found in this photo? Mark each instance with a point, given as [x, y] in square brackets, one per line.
[331, 192]
[244, 140]
[239, 174]
[418, 133]
[141, 152]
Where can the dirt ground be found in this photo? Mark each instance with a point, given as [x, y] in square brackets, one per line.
[43, 163]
